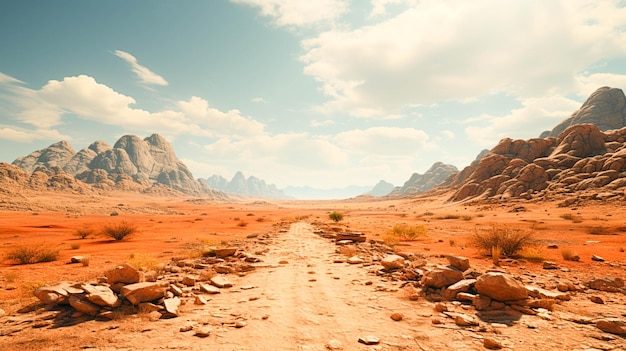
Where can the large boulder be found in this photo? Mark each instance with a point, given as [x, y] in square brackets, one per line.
[500, 287]
[441, 277]
[125, 273]
[143, 292]
[391, 262]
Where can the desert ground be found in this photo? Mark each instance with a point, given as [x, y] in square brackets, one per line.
[303, 295]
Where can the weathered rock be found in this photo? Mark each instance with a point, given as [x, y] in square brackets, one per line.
[200, 300]
[550, 265]
[52, 295]
[459, 262]
[369, 340]
[500, 287]
[190, 280]
[143, 292]
[202, 332]
[209, 289]
[125, 273]
[84, 306]
[540, 293]
[100, 295]
[76, 259]
[355, 260]
[492, 344]
[612, 325]
[171, 307]
[597, 258]
[391, 262]
[441, 276]
[461, 286]
[396, 316]
[464, 320]
[596, 299]
[221, 282]
[225, 252]
[148, 307]
[606, 284]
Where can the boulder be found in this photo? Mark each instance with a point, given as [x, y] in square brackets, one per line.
[100, 295]
[461, 286]
[441, 277]
[459, 262]
[612, 325]
[125, 273]
[83, 306]
[391, 262]
[171, 307]
[500, 287]
[143, 292]
[53, 295]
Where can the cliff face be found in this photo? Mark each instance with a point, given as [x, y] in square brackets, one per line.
[132, 164]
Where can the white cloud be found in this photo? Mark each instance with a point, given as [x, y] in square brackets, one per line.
[459, 50]
[230, 123]
[259, 100]
[316, 124]
[590, 83]
[298, 12]
[146, 76]
[26, 136]
[535, 116]
[379, 7]
[387, 141]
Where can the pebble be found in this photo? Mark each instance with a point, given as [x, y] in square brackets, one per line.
[369, 340]
[397, 317]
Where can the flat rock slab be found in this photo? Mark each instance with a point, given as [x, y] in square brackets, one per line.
[369, 340]
[221, 282]
[143, 292]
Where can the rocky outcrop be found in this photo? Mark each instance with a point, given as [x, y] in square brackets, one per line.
[14, 180]
[382, 188]
[132, 164]
[240, 185]
[419, 183]
[605, 108]
[582, 157]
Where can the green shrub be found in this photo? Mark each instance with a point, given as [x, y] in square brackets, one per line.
[335, 216]
[510, 240]
[119, 231]
[29, 254]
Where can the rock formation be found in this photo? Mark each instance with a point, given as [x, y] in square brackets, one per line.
[132, 164]
[419, 183]
[240, 185]
[382, 188]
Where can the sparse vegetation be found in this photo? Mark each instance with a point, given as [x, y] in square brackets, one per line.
[467, 217]
[30, 254]
[145, 262]
[533, 253]
[569, 255]
[260, 219]
[598, 230]
[75, 246]
[335, 216]
[571, 217]
[496, 254]
[510, 240]
[84, 233]
[119, 231]
[405, 232]
[449, 216]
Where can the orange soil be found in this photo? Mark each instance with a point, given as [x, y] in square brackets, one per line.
[170, 228]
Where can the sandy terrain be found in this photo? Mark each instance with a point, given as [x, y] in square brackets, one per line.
[308, 302]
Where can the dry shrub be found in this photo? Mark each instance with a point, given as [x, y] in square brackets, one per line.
[510, 240]
[571, 217]
[36, 253]
[119, 231]
[533, 253]
[570, 255]
[83, 233]
[390, 239]
[407, 232]
[598, 230]
[496, 254]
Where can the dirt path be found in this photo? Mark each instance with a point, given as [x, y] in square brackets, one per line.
[299, 299]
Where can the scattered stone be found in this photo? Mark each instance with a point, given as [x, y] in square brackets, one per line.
[369, 340]
[540, 293]
[177, 291]
[334, 345]
[612, 325]
[492, 344]
[597, 258]
[52, 295]
[100, 295]
[143, 292]
[606, 284]
[202, 333]
[155, 316]
[125, 273]
[209, 289]
[2, 313]
[76, 259]
[459, 262]
[596, 299]
[221, 282]
[189, 280]
[240, 324]
[397, 316]
[171, 307]
[283, 262]
[553, 246]
[200, 300]
[186, 328]
[441, 307]
[462, 286]
[355, 260]
[500, 286]
[225, 252]
[84, 306]
[148, 307]
[391, 262]
[550, 265]
[441, 277]
[464, 320]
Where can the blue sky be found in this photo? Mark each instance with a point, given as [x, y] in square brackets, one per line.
[325, 93]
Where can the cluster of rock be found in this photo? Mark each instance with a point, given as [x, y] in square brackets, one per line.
[159, 293]
[240, 185]
[132, 164]
[433, 177]
[582, 157]
[494, 295]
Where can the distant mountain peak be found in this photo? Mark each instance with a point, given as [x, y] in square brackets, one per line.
[240, 185]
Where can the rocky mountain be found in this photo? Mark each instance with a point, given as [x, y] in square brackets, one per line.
[309, 193]
[419, 183]
[382, 188]
[240, 185]
[582, 159]
[605, 108]
[132, 164]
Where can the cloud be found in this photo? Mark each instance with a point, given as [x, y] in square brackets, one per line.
[442, 50]
[299, 13]
[316, 124]
[146, 76]
[535, 116]
[85, 98]
[26, 136]
[386, 141]
[259, 100]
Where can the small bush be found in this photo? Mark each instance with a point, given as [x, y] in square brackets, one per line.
[83, 233]
[29, 254]
[335, 216]
[598, 230]
[85, 261]
[408, 232]
[510, 240]
[119, 231]
[260, 219]
[569, 255]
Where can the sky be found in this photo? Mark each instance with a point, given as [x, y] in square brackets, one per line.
[325, 93]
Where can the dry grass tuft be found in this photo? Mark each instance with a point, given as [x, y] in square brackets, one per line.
[509, 240]
[119, 231]
[405, 232]
[83, 233]
[533, 253]
[570, 255]
[144, 262]
[496, 254]
[30, 254]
